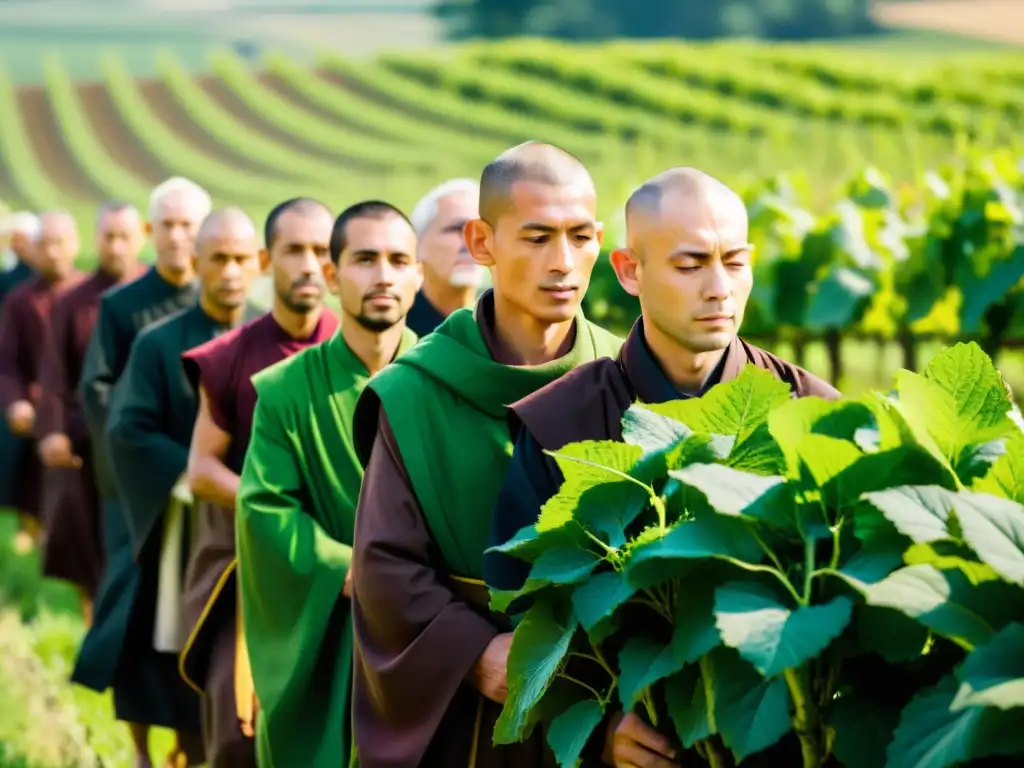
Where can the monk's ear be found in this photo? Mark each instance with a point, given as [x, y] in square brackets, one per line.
[264, 259]
[148, 228]
[195, 261]
[480, 241]
[625, 263]
[330, 270]
[599, 232]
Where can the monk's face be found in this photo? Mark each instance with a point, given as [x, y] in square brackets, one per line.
[227, 263]
[689, 263]
[119, 239]
[377, 276]
[297, 257]
[24, 248]
[446, 259]
[541, 250]
[57, 247]
[174, 231]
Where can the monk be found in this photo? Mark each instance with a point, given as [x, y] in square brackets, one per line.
[25, 327]
[214, 661]
[451, 279]
[23, 230]
[298, 492]
[74, 545]
[429, 674]
[688, 261]
[176, 209]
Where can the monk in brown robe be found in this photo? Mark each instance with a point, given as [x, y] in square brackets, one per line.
[688, 261]
[24, 332]
[451, 278]
[214, 662]
[429, 672]
[74, 544]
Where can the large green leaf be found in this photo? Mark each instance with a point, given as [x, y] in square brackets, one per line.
[642, 663]
[946, 555]
[920, 512]
[933, 735]
[743, 494]
[750, 712]
[982, 291]
[694, 632]
[956, 407]
[650, 430]
[608, 509]
[538, 648]
[1006, 477]
[529, 543]
[864, 728]
[734, 407]
[769, 633]
[838, 299]
[993, 675]
[554, 566]
[598, 598]
[687, 705]
[569, 732]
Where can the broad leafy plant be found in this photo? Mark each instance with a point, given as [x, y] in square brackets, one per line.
[778, 581]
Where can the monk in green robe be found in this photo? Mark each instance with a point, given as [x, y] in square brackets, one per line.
[429, 676]
[298, 493]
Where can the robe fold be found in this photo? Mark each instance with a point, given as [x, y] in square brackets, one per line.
[11, 447]
[73, 550]
[25, 329]
[296, 517]
[123, 312]
[423, 317]
[588, 404]
[431, 430]
[210, 661]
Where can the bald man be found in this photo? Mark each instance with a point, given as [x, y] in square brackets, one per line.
[430, 661]
[176, 209]
[22, 230]
[688, 261]
[152, 410]
[74, 547]
[451, 277]
[214, 660]
[25, 328]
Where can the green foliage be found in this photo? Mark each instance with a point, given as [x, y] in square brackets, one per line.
[814, 581]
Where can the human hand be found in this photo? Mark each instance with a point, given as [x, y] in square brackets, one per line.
[56, 452]
[489, 674]
[249, 726]
[21, 417]
[631, 743]
[346, 589]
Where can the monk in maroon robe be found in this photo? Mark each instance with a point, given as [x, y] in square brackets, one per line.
[71, 513]
[688, 261]
[24, 332]
[214, 661]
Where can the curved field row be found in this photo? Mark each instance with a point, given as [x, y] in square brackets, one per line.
[402, 122]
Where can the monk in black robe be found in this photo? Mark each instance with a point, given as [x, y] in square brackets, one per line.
[22, 229]
[688, 261]
[74, 548]
[25, 327]
[298, 238]
[451, 278]
[177, 207]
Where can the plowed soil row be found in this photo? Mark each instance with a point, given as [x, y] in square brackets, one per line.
[286, 92]
[50, 148]
[117, 138]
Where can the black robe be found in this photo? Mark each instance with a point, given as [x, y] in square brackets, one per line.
[12, 448]
[423, 317]
[588, 404]
[124, 312]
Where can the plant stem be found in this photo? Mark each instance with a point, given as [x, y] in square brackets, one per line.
[652, 711]
[659, 506]
[714, 756]
[580, 683]
[836, 532]
[806, 720]
[808, 570]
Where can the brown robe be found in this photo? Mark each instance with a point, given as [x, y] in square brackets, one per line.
[209, 662]
[421, 648]
[588, 404]
[25, 328]
[71, 510]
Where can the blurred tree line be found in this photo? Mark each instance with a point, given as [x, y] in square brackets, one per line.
[693, 19]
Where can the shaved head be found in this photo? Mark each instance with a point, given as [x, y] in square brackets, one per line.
[51, 222]
[534, 162]
[676, 190]
[224, 221]
[56, 244]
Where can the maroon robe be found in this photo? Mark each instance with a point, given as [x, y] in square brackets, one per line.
[224, 367]
[429, 623]
[25, 328]
[71, 511]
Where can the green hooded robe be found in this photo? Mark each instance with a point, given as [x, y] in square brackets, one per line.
[295, 517]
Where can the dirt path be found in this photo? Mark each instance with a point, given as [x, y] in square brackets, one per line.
[50, 148]
[996, 20]
[165, 107]
[226, 99]
[117, 138]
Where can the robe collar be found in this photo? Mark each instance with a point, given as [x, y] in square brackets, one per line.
[483, 313]
[649, 382]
